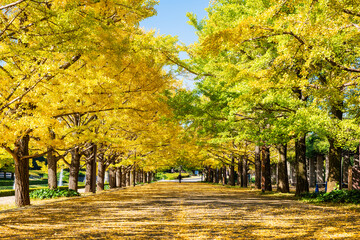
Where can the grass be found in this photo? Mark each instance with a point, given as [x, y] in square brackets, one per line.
[173, 176]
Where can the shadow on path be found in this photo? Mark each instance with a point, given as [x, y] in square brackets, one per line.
[179, 211]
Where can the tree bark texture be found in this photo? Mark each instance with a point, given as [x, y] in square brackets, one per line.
[283, 180]
[52, 169]
[211, 175]
[335, 152]
[240, 172]
[320, 169]
[112, 178]
[134, 176]
[224, 175]
[101, 175]
[300, 166]
[74, 169]
[118, 175]
[334, 166]
[266, 169]
[244, 176]
[257, 167]
[312, 171]
[124, 175]
[232, 172]
[90, 184]
[345, 166]
[22, 197]
[128, 178]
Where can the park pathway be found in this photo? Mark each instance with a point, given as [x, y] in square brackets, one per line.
[179, 211]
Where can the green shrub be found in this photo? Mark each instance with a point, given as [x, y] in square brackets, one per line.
[53, 193]
[336, 196]
[7, 193]
[160, 176]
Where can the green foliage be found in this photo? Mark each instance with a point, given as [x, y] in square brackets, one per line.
[171, 176]
[160, 176]
[7, 193]
[336, 196]
[53, 193]
[8, 184]
[316, 145]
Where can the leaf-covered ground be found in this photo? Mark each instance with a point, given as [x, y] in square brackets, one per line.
[179, 211]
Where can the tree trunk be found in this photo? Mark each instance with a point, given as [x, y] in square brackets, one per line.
[312, 171]
[217, 175]
[90, 184]
[131, 171]
[300, 166]
[244, 177]
[118, 177]
[206, 173]
[128, 178]
[112, 178]
[334, 166]
[283, 180]
[232, 172]
[266, 169]
[240, 173]
[319, 169]
[335, 152]
[123, 176]
[74, 169]
[52, 169]
[214, 175]
[211, 175]
[134, 176]
[22, 197]
[101, 175]
[257, 168]
[224, 175]
[345, 166]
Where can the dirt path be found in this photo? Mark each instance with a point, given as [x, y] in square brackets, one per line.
[179, 211]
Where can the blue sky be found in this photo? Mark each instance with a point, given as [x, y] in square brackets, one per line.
[171, 18]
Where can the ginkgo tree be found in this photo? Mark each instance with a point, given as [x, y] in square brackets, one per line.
[286, 67]
[67, 59]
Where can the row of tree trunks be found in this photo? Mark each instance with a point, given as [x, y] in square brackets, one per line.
[242, 171]
[263, 169]
[126, 176]
[220, 175]
[21, 159]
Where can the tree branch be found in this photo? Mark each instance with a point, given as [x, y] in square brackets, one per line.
[351, 12]
[335, 64]
[11, 4]
[97, 111]
[35, 155]
[12, 20]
